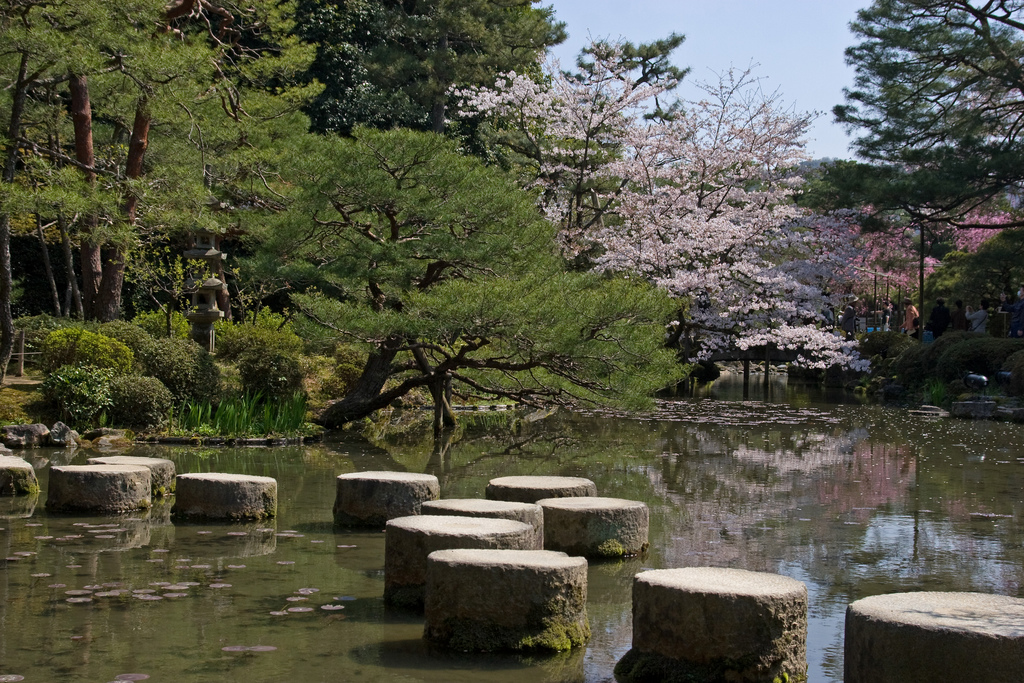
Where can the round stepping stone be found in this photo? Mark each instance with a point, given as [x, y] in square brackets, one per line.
[372, 498]
[408, 541]
[595, 527]
[98, 488]
[487, 600]
[17, 478]
[527, 513]
[919, 637]
[161, 470]
[713, 624]
[215, 495]
[531, 489]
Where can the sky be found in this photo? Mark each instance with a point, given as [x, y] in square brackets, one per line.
[797, 44]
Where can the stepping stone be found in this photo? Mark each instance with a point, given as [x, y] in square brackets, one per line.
[527, 513]
[372, 498]
[928, 636]
[713, 624]
[161, 470]
[99, 488]
[487, 600]
[408, 541]
[531, 489]
[17, 477]
[215, 495]
[595, 527]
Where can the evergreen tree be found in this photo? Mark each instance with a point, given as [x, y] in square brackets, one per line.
[393, 63]
[446, 273]
[937, 100]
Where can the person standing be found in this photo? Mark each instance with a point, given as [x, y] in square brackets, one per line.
[959, 317]
[848, 323]
[1016, 311]
[911, 319]
[978, 320]
[939, 318]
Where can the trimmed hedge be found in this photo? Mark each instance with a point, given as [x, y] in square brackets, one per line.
[139, 402]
[183, 366]
[80, 392]
[73, 346]
[1014, 363]
[982, 356]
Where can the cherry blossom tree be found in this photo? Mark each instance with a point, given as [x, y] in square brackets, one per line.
[697, 198]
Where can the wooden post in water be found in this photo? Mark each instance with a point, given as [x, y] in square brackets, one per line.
[21, 354]
[746, 377]
[767, 367]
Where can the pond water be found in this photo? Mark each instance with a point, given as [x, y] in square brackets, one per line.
[854, 500]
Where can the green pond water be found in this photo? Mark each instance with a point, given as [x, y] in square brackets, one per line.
[854, 500]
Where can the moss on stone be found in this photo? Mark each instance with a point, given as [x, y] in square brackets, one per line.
[18, 482]
[611, 548]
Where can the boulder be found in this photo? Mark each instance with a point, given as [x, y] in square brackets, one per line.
[26, 436]
[62, 435]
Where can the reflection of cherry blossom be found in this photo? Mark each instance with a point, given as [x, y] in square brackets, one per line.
[700, 204]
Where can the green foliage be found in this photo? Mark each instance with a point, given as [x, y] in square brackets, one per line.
[131, 335]
[80, 392]
[388, 64]
[1014, 364]
[983, 356]
[155, 323]
[327, 377]
[883, 344]
[952, 356]
[270, 372]
[139, 402]
[270, 332]
[997, 266]
[184, 367]
[935, 391]
[935, 95]
[441, 266]
[247, 415]
[73, 346]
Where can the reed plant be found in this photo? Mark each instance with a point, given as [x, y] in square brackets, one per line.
[244, 415]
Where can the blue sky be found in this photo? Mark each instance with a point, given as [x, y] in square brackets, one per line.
[798, 45]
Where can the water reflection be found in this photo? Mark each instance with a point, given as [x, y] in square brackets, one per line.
[853, 499]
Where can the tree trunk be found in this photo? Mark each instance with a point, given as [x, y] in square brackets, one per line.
[10, 166]
[366, 396]
[92, 263]
[47, 267]
[69, 264]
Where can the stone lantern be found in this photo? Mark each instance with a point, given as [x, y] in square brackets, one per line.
[205, 312]
[206, 308]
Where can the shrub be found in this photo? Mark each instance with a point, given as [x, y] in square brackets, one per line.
[80, 392]
[883, 344]
[1014, 363]
[155, 323]
[129, 334]
[920, 361]
[984, 355]
[73, 346]
[270, 371]
[184, 367]
[271, 331]
[139, 402]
